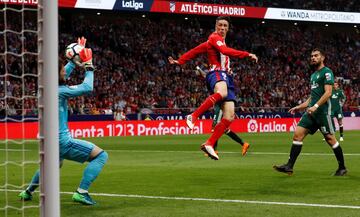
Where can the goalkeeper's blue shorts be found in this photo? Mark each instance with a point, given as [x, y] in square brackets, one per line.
[76, 150]
[215, 76]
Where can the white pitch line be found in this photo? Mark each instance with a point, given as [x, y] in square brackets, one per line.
[215, 200]
[231, 152]
[2, 149]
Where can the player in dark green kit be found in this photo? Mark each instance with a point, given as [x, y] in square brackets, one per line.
[318, 115]
[337, 100]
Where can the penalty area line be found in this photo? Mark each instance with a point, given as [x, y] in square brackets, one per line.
[212, 200]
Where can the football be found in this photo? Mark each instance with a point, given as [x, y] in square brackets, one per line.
[72, 53]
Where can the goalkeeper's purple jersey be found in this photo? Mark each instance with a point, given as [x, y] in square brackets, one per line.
[66, 92]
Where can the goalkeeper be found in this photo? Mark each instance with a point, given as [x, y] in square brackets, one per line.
[70, 148]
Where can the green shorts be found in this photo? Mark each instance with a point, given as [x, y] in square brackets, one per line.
[217, 115]
[321, 121]
[338, 114]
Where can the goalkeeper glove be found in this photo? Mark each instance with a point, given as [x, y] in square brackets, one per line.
[82, 41]
[86, 59]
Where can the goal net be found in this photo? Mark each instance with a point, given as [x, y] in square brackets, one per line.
[24, 108]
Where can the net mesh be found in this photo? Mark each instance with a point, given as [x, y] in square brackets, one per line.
[19, 151]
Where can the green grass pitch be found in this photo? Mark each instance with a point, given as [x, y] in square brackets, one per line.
[174, 171]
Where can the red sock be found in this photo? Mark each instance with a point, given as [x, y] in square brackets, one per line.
[208, 103]
[218, 131]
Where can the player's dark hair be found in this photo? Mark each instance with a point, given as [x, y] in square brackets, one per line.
[223, 18]
[320, 51]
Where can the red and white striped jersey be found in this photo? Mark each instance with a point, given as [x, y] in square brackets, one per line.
[217, 51]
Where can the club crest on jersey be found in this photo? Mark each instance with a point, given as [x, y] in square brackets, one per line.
[219, 43]
[328, 76]
[172, 7]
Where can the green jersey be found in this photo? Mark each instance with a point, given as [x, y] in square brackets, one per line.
[318, 81]
[337, 99]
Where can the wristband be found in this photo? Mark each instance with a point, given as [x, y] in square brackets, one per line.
[316, 105]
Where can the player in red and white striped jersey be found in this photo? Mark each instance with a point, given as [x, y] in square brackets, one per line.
[219, 80]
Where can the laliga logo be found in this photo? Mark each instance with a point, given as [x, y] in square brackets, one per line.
[252, 126]
[132, 4]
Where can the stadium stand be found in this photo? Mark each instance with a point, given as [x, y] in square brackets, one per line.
[132, 70]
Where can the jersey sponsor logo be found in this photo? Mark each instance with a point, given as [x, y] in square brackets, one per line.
[132, 4]
[219, 43]
[314, 85]
[334, 96]
[328, 76]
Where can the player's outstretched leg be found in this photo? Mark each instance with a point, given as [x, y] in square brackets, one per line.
[208, 146]
[27, 194]
[208, 103]
[236, 138]
[90, 173]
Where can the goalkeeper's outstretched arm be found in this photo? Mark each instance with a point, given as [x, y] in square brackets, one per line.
[88, 84]
[69, 68]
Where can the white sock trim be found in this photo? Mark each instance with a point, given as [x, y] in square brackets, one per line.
[341, 125]
[336, 145]
[297, 143]
[82, 191]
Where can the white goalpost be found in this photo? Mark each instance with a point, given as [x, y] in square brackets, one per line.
[48, 107]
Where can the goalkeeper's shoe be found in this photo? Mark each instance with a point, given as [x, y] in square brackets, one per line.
[25, 195]
[209, 150]
[284, 169]
[83, 198]
[245, 148]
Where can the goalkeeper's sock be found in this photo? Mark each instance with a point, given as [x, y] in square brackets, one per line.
[82, 191]
[234, 136]
[34, 182]
[208, 103]
[92, 170]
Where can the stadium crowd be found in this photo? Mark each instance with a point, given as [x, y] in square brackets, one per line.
[132, 73]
